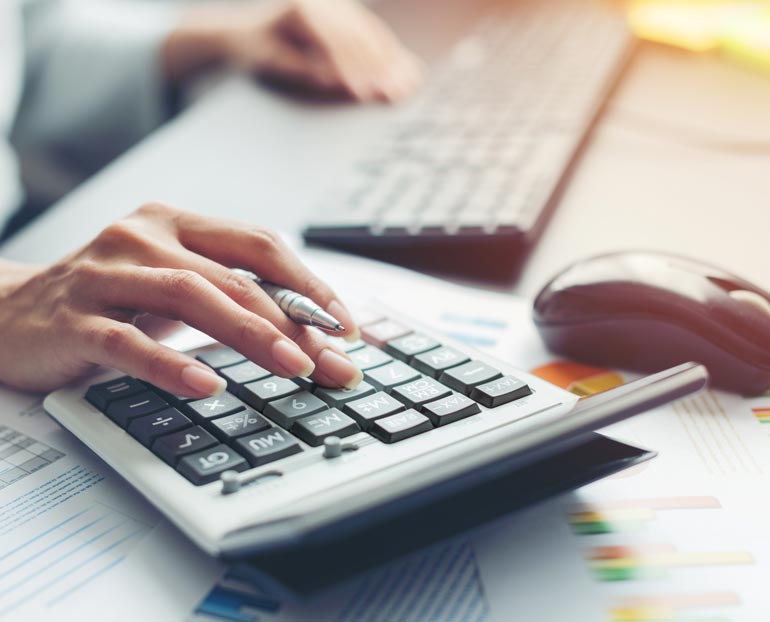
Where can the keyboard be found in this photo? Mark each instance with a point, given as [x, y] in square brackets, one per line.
[464, 181]
[274, 460]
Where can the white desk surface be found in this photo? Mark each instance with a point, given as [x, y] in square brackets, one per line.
[650, 177]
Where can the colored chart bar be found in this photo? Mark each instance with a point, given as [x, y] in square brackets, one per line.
[762, 414]
[690, 607]
[580, 379]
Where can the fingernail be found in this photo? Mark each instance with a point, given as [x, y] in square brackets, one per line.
[339, 368]
[292, 359]
[203, 380]
[343, 315]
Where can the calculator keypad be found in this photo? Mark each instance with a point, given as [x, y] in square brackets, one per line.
[412, 385]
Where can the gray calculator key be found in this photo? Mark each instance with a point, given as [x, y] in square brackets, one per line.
[146, 429]
[372, 407]
[500, 391]
[383, 331]
[418, 392]
[347, 346]
[172, 447]
[315, 428]
[406, 347]
[259, 393]
[205, 466]
[391, 375]
[451, 408]
[243, 373]
[122, 411]
[432, 363]
[369, 357]
[306, 384]
[400, 426]
[220, 357]
[215, 406]
[241, 423]
[267, 446]
[103, 394]
[339, 397]
[286, 410]
[466, 376]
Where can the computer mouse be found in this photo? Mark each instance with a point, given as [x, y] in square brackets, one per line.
[647, 311]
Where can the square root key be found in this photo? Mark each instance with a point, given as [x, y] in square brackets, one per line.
[173, 446]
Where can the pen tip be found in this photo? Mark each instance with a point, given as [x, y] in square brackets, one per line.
[339, 328]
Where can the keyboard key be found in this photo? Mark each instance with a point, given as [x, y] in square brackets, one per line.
[172, 447]
[381, 332]
[258, 394]
[306, 384]
[285, 411]
[268, 446]
[241, 423]
[369, 357]
[122, 411]
[419, 392]
[220, 357]
[451, 408]
[432, 363]
[500, 391]
[315, 428]
[101, 395]
[146, 429]
[347, 346]
[205, 466]
[406, 347]
[225, 404]
[400, 426]
[466, 376]
[391, 375]
[372, 407]
[339, 397]
[243, 373]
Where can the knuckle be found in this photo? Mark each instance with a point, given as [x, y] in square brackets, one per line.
[114, 339]
[266, 241]
[249, 326]
[155, 209]
[157, 364]
[182, 284]
[239, 288]
[120, 235]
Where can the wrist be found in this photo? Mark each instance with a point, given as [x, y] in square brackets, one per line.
[196, 44]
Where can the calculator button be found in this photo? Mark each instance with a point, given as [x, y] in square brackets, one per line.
[205, 466]
[400, 426]
[369, 357]
[243, 373]
[101, 395]
[268, 445]
[122, 411]
[451, 408]
[241, 423]
[406, 347]
[466, 376]
[173, 446]
[419, 392]
[220, 357]
[347, 346]
[146, 429]
[315, 428]
[339, 397]
[500, 391]
[372, 407]
[432, 363]
[258, 394]
[382, 332]
[285, 411]
[306, 384]
[218, 406]
[391, 375]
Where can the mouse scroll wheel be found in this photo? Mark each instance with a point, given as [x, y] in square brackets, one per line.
[751, 298]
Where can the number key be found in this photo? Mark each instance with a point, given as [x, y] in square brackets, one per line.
[258, 394]
[286, 410]
[391, 375]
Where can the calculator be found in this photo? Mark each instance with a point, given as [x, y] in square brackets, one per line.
[275, 462]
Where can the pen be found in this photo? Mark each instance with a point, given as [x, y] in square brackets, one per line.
[299, 308]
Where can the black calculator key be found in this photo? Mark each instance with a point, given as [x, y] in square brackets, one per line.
[268, 445]
[406, 347]
[433, 362]
[172, 447]
[103, 394]
[243, 373]
[215, 406]
[306, 384]
[205, 466]
[286, 410]
[315, 428]
[220, 357]
[421, 391]
[339, 397]
[500, 391]
[146, 429]
[383, 331]
[388, 376]
[372, 407]
[451, 408]
[241, 423]
[400, 426]
[369, 357]
[259, 393]
[466, 376]
[122, 411]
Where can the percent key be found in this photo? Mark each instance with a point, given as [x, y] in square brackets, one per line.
[239, 424]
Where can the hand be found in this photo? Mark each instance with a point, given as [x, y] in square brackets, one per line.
[59, 323]
[326, 45]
